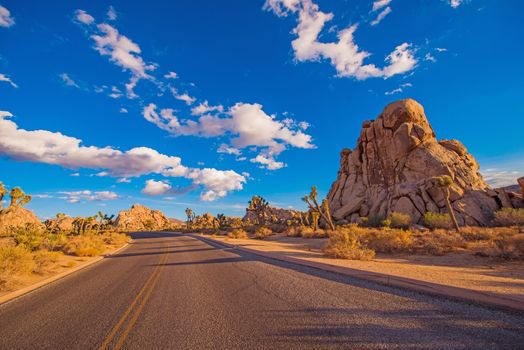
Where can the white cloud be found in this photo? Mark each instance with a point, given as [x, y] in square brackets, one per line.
[87, 195]
[398, 90]
[111, 13]
[156, 188]
[115, 92]
[345, 55]
[378, 4]
[223, 148]
[84, 17]
[441, 49]
[267, 162]
[67, 80]
[5, 78]
[5, 18]
[204, 108]
[498, 177]
[183, 97]
[171, 75]
[381, 16]
[455, 3]
[121, 50]
[430, 57]
[123, 110]
[245, 124]
[48, 147]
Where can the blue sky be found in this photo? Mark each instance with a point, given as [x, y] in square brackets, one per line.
[206, 103]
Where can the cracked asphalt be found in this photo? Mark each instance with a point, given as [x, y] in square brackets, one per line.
[168, 291]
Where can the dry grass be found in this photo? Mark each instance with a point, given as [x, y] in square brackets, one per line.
[15, 262]
[85, 245]
[263, 232]
[437, 220]
[508, 248]
[305, 232]
[345, 244]
[237, 233]
[509, 217]
[45, 261]
[399, 220]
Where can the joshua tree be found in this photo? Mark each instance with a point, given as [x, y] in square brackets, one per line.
[190, 217]
[105, 220]
[222, 220]
[3, 192]
[315, 216]
[445, 182]
[322, 210]
[15, 194]
[258, 205]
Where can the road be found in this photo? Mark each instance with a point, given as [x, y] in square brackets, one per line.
[167, 291]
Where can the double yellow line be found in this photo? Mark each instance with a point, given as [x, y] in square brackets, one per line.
[146, 291]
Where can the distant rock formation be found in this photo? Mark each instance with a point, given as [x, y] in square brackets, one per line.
[17, 217]
[393, 167]
[521, 184]
[63, 223]
[140, 218]
[272, 215]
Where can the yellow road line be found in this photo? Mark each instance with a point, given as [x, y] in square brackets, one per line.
[115, 329]
[133, 320]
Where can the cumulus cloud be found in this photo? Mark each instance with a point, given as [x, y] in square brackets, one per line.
[8, 80]
[120, 49]
[87, 195]
[223, 148]
[245, 124]
[111, 13]
[6, 20]
[171, 75]
[499, 177]
[378, 4]
[156, 188]
[123, 110]
[267, 162]
[67, 80]
[48, 147]
[455, 3]
[429, 57]
[183, 97]
[344, 55]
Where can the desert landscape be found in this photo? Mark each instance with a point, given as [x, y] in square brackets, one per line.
[379, 206]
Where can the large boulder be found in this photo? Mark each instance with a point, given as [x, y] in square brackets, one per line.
[272, 215]
[393, 168]
[140, 218]
[520, 180]
[18, 217]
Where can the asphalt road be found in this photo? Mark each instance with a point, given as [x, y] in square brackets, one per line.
[176, 292]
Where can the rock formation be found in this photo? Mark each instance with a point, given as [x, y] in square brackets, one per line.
[272, 215]
[393, 168]
[17, 217]
[520, 180]
[140, 218]
[63, 223]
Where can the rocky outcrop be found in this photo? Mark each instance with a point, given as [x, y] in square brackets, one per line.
[62, 223]
[140, 218]
[18, 217]
[521, 184]
[393, 168]
[272, 215]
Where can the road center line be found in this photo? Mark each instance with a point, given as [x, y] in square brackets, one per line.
[121, 321]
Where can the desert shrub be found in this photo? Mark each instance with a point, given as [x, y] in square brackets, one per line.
[509, 217]
[437, 242]
[45, 260]
[509, 248]
[437, 220]
[29, 237]
[84, 245]
[237, 234]
[344, 244]
[386, 223]
[53, 240]
[114, 238]
[372, 221]
[311, 233]
[15, 261]
[399, 220]
[294, 231]
[263, 232]
[388, 240]
[278, 228]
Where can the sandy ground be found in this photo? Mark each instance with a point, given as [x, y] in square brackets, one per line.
[65, 262]
[459, 269]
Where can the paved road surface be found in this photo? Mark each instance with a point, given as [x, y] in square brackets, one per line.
[176, 292]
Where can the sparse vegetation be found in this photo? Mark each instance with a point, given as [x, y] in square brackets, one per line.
[399, 220]
[321, 210]
[238, 233]
[263, 232]
[509, 217]
[345, 244]
[437, 220]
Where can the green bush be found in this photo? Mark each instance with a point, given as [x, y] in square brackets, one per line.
[29, 237]
[399, 220]
[509, 217]
[437, 220]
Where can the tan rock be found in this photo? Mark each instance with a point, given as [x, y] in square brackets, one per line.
[393, 167]
[141, 218]
[17, 217]
[520, 180]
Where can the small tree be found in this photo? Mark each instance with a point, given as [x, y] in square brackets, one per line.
[222, 221]
[15, 194]
[258, 205]
[445, 182]
[322, 210]
[190, 217]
